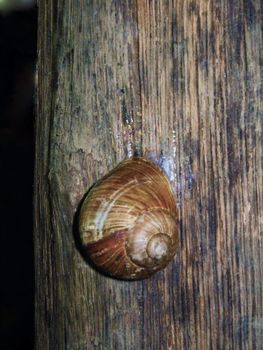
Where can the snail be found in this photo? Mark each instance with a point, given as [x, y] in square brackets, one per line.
[128, 221]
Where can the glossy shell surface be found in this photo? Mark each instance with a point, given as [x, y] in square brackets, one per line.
[128, 221]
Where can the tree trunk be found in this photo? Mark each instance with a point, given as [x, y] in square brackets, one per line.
[179, 82]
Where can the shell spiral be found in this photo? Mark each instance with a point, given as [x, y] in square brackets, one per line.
[128, 222]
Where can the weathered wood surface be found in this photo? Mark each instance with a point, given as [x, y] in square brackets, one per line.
[177, 78]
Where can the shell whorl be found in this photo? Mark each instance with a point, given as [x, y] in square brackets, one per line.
[128, 221]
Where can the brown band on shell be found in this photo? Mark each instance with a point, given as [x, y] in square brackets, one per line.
[109, 254]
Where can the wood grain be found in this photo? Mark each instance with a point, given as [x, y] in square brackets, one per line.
[180, 82]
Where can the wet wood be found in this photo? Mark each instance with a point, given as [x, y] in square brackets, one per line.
[174, 80]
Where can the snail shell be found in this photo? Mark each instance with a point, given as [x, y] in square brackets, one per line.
[128, 222]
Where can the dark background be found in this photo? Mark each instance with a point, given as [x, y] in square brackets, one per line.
[17, 71]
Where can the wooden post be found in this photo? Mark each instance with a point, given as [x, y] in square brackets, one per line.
[177, 80]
